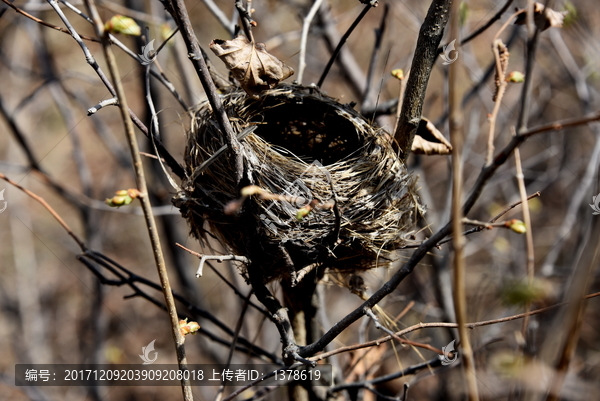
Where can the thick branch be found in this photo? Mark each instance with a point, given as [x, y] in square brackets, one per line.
[426, 53]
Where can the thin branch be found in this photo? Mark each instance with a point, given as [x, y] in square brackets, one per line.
[501, 65]
[49, 209]
[420, 326]
[349, 67]
[458, 240]
[305, 28]
[39, 21]
[528, 234]
[336, 52]
[485, 26]
[20, 137]
[219, 258]
[171, 162]
[113, 101]
[560, 125]
[379, 326]
[145, 200]
[432, 363]
[130, 279]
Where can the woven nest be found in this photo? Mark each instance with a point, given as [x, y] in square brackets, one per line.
[306, 147]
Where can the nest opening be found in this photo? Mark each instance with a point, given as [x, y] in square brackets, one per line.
[308, 128]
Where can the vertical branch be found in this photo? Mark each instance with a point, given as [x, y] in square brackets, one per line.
[528, 233]
[305, 28]
[144, 198]
[430, 36]
[182, 18]
[458, 240]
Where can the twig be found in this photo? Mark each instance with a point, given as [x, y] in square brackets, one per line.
[420, 326]
[130, 279]
[49, 209]
[172, 163]
[379, 326]
[161, 77]
[145, 200]
[426, 53]
[559, 125]
[485, 26]
[220, 16]
[103, 103]
[39, 21]
[491, 223]
[349, 67]
[528, 233]
[20, 137]
[336, 52]
[501, 65]
[305, 28]
[219, 258]
[432, 363]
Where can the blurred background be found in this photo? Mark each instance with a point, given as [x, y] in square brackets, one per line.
[54, 309]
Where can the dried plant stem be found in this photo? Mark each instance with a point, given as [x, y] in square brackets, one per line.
[458, 240]
[144, 198]
[528, 233]
[305, 28]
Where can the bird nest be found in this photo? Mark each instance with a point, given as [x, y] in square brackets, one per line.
[332, 191]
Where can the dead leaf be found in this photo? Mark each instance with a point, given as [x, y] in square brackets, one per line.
[251, 64]
[542, 20]
[429, 141]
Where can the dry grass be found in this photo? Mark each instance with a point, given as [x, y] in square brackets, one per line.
[353, 167]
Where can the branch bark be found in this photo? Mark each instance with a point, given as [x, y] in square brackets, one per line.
[426, 53]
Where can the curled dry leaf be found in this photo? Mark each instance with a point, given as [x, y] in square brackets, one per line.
[251, 64]
[543, 20]
[429, 141]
